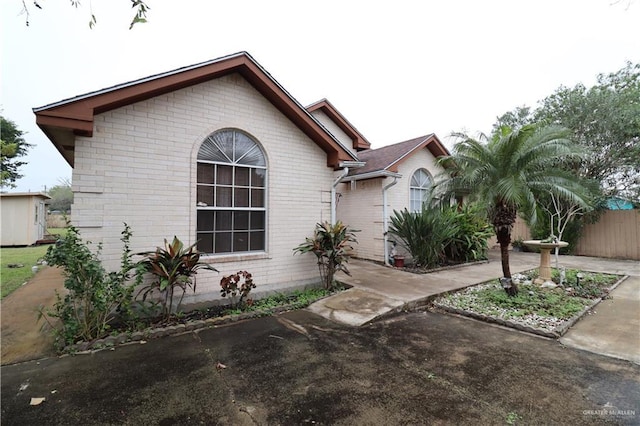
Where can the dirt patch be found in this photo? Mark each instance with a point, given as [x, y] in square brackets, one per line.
[23, 337]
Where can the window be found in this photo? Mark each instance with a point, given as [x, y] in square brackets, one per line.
[419, 189]
[231, 194]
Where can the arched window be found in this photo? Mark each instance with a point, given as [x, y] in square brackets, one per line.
[419, 189]
[231, 194]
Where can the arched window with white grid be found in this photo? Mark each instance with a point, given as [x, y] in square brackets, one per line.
[231, 194]
[419, 189]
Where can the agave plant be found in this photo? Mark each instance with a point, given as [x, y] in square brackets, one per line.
[172, 266]
[330, 244]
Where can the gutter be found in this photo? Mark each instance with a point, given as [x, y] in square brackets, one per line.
[372, 175]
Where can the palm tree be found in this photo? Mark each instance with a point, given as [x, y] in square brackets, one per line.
[505, 173]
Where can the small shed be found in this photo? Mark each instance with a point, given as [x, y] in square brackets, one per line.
[23, 217]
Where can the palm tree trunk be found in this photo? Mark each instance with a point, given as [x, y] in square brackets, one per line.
[504, 257]
[503, 219]
[504, 238]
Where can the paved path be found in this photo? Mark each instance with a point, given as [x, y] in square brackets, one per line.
[297, 368]
[613, 329]
[379, 290]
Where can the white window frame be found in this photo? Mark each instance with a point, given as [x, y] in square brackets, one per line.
[419, 185]
[230, 206]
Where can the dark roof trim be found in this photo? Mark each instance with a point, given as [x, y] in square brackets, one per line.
[431, 142]
[359, 141]
[391, 156]
[60, 121]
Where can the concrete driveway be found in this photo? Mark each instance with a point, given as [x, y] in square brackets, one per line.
[299, 368]
[612, 329]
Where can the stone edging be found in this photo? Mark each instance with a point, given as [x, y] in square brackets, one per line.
[153, 333]
[556, 333]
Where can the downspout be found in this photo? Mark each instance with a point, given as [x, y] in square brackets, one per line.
[385, 220]
[344, 173]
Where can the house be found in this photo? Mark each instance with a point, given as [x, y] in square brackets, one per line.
[24, 220]
[394, 177]
[219, 153]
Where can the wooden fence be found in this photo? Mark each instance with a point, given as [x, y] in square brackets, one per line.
[615, 235]
[520, 231]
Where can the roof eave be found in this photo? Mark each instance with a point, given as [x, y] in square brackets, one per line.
[75, 116]
[358, 139]
[431, 142]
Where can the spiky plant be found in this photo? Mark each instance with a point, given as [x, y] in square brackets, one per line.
[330, 243]
[171, 266]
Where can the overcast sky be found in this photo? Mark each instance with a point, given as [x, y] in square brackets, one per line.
[396, 70]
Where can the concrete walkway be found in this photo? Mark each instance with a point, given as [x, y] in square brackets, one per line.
[612, 330]
[379, 290]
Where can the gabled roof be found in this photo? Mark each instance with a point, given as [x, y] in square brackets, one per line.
[62, 120]
[359, 141]
[385, 161]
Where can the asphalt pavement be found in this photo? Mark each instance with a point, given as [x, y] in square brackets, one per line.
[299, 368]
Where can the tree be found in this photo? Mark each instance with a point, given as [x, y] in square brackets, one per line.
[12, 146]
[605, 119]
[520, 116]
[506, 172]
[139, 5]
[61, 196]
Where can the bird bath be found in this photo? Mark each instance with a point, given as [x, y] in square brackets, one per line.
[545, 255]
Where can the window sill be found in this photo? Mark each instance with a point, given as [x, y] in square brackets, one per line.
[227, 258]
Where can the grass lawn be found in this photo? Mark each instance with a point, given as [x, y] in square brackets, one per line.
[57, 231]
[12, 278]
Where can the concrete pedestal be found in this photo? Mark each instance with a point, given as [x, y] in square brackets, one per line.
[545, 264]
[545, 257]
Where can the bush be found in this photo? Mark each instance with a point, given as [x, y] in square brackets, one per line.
[95, 297]
[172, 266]
[440, 235]
[470, 241]
[330, 244]
[425, 234]
[241, 283]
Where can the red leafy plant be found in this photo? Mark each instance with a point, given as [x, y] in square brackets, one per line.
[241, 283]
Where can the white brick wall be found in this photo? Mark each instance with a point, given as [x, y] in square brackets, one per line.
[139, 167]
[362, 208]
[399, 194]
[333, 128]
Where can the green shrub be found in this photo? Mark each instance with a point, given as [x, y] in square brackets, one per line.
[330, 244]
[424, 234]
[95, 297]
[470, 241]
[172, 266]
[438, 235]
